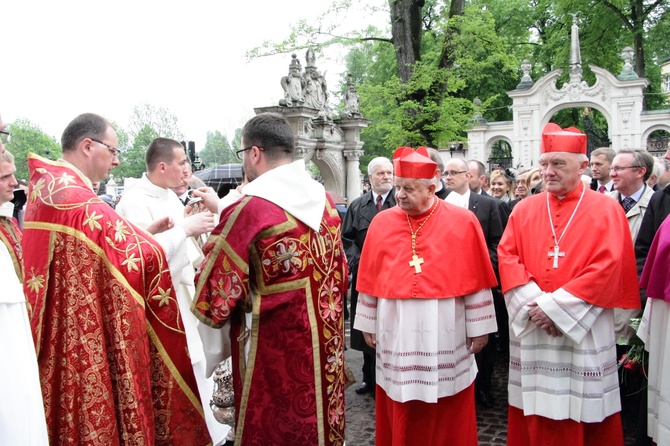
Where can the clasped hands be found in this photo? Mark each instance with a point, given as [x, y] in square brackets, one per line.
[540, 318]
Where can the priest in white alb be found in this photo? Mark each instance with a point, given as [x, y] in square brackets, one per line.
[425, 304]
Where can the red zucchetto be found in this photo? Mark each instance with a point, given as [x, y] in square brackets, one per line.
[556, 139]
[410, 163]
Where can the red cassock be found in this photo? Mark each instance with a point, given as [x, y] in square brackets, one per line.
[289, 389]
[451, 244]
[598, 262]
[112, 354]
[455, 263]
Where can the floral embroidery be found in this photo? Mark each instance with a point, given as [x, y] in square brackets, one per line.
[131, 262]
[37, 189]
[331, 301]
[120, 231]
[286, 256]
[65, 179]
[92, 221]
[35, 282]
[163, 297]
[223, 290]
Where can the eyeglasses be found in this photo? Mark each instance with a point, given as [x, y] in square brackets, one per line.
[5, 136]
[239, 152]
[452, 173]
[116, 152]
[620, 168]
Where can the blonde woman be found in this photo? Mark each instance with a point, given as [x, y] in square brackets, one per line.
[501, 184]
[532, 181]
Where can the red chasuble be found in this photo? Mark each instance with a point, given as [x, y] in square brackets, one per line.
[293, 281]
[10, 235]
[451, 244]
[597, 263]
[112, 354]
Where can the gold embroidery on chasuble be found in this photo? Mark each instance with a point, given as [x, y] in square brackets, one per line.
[10, 235]
[281, 264]
[110, 353]
[296, 301]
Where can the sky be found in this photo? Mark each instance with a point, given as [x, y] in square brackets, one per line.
[61, 59]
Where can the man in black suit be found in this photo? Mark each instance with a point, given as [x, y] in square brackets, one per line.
[360, 213]
[601, 161]
[486, 209]
[441, 190]
[478, 177]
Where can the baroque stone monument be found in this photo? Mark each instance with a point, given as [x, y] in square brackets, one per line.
[330, 141]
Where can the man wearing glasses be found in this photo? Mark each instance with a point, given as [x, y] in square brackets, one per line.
[630, 171]
[22, 411]
[275, 268]
[111, 348]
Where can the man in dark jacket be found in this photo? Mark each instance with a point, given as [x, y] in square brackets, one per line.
[360, 213]
[486, 209]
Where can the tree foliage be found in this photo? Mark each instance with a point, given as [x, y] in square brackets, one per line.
[28, 137]
[147, 122]
[217, 150]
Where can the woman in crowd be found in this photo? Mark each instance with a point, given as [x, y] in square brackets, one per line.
[501, 184]
[533, 181]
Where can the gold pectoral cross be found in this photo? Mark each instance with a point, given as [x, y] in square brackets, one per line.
[555, 254]
[416, 263]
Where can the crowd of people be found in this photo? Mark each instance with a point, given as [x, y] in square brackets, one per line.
[117, 320]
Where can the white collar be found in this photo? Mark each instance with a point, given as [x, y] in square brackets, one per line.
[7, 209]
[290, 187]
[458, 199]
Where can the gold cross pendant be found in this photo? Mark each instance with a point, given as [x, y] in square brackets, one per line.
[416, 263]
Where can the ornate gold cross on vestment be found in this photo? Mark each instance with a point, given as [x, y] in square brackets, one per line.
[416, 263]
[555, 254]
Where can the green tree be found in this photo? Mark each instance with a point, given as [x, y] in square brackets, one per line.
[147, 122]
[131, 161]
[160, 119]
[236, 143]
[217, 150]
[28, 137]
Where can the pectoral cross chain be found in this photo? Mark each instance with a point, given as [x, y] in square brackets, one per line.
[416, 263]
[556, 254]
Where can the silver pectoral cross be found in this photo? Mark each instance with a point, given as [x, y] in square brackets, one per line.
[556, 254]
[416, 263]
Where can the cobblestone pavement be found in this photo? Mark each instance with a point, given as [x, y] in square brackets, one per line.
[360, 409]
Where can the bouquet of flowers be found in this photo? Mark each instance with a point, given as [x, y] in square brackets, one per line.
[636, 360]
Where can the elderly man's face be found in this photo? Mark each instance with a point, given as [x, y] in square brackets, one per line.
[381, 179]
[412, 196]
[561, 172]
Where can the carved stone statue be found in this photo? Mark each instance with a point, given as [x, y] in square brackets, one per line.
[316, 91]
[315, 88]
[351, 100]
[292, 85]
